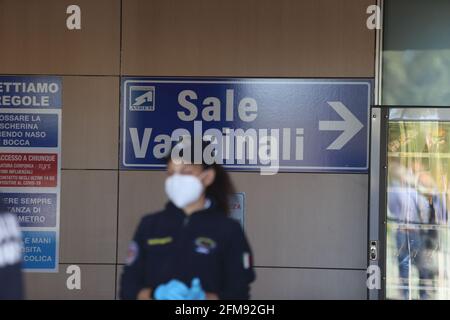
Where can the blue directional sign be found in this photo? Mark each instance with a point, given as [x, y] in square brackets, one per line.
[293, 125]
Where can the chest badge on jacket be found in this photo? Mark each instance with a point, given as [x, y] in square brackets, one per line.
[204, 245]
[159, 241]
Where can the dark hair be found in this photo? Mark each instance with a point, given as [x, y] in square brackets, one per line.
[221, 189]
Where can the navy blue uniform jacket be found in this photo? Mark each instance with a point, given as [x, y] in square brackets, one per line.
[172, 245]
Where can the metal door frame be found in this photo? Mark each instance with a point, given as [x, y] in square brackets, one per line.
[378, 179]
[376, 165]
[377, 195]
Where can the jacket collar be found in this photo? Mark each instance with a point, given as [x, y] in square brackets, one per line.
[173, 209]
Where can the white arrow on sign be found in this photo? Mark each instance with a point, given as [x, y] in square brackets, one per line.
[350, 126]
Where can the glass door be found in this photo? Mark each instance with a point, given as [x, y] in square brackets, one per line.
[417, 195]
[408, 241]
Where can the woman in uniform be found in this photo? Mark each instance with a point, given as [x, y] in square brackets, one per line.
[191, 249]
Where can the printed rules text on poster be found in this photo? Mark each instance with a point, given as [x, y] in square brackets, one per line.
[30, 163]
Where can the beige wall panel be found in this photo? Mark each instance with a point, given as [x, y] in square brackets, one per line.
[303, 215]
[118, 276]
[97, 282]
[38, 40]
[276, 283]
[90, 125]
[141, 192]
[320, 38]
[306, 220]
[88, 216]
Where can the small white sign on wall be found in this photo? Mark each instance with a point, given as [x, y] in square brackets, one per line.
[237, 206]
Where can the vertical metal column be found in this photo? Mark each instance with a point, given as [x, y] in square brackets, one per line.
[374, 255]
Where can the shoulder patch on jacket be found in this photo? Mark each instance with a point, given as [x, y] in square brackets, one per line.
[132, 253]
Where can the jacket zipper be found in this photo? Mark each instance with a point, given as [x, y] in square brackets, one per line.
[185, 221]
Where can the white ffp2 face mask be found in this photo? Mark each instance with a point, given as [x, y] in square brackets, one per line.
[183, 189]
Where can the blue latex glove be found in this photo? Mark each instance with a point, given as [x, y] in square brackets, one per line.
[172, 290]
[196, 292]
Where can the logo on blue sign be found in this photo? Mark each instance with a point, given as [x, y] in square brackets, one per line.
[142, 98]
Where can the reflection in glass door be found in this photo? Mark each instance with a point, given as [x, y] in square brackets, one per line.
[418, 194]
